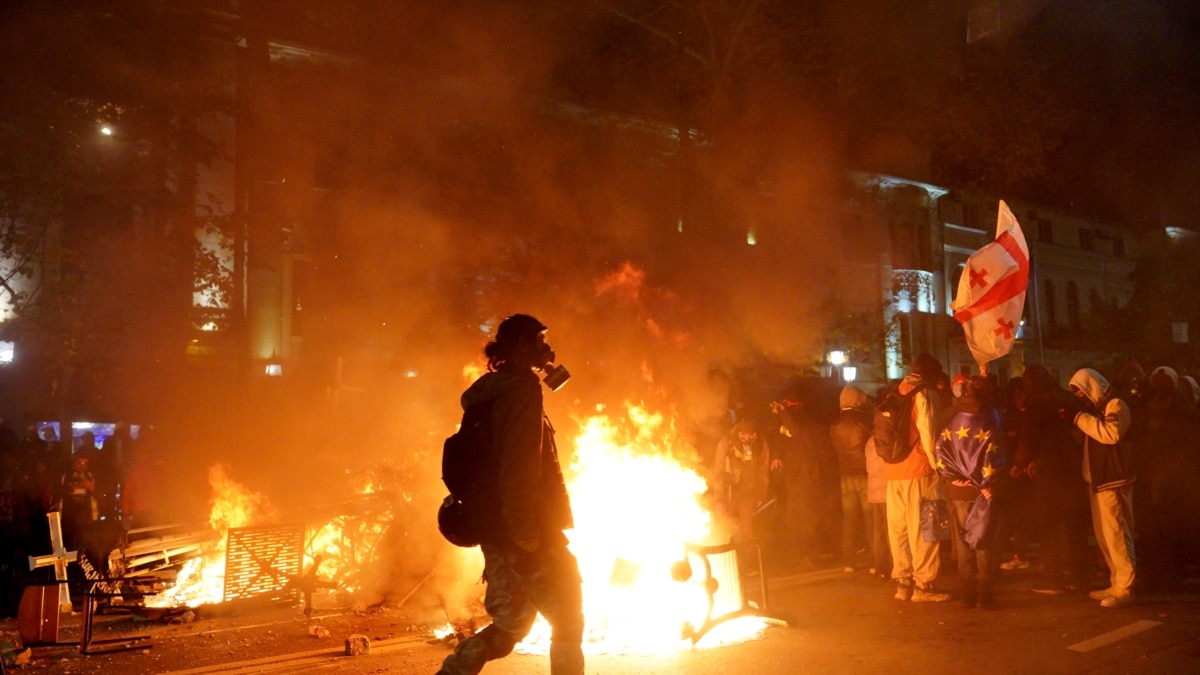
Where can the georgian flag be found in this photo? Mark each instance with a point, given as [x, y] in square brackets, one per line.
[991, 292]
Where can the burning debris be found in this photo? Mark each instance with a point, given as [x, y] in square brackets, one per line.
[655, 576]
[250, 552]
[639, 501]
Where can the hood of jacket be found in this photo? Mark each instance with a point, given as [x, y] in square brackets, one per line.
[1167, 372]
[910, 382]
[852, 397]
[1193, 387]
[1092, 383]
[494, 384]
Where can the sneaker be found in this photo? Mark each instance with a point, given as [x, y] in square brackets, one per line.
[929, 595]
[1048, 589]
[1100, 595]
[1015, 564]
[1117, 601]
[904, 592]
[848, 570]
[871, 571]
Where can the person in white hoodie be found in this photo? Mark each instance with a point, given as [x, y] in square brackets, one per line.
[1105, 421]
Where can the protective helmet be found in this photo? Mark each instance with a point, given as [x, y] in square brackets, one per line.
[454, 523]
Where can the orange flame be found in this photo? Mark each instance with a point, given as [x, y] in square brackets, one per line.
[635, 507]
[202, 579]
[472, 371]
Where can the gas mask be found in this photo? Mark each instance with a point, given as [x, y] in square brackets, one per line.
[554, 376]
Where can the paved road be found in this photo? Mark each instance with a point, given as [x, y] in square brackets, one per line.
[840, 623]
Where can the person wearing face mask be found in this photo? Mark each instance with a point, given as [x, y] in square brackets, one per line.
[743, 464]
[527, 566]
[1105, 420]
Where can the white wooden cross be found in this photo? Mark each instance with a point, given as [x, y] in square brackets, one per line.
[59, 557]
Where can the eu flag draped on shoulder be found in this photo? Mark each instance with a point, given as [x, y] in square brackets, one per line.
[991, 293]
[968, 450]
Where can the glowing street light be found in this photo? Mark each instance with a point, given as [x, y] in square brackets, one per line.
[274, 366]
[837, 358]
[106, 130]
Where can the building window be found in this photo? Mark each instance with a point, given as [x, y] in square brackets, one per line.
[1087, 239]
[1045, 229]
[1073, 318]
[970, 215]
[1048, 293]
[913, 290]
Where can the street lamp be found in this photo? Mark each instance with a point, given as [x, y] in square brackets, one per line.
[836, 365]
[274, 366]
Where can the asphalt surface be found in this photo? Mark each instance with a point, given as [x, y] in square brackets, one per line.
[837, 622]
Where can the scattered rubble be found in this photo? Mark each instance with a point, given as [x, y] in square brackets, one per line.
[358, 645]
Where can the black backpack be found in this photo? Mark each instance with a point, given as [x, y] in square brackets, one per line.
[892, 417]
[469, 469]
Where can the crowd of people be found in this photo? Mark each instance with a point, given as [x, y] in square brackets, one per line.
[986, 477]
[100, 490]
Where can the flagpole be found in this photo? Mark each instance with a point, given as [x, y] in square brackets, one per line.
[1037, 306]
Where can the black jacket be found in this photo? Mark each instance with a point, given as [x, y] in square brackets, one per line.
[530, 502]
[1108, 454]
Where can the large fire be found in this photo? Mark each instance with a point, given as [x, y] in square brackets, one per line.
[202, 579]
[636, 505]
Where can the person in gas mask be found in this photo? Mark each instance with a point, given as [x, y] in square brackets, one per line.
[527, 566]
[743, 462]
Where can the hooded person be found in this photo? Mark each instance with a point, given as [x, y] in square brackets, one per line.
[911, 481]
[1163, 443]
[1105, 420]
[849, 434]
[1190, 389]
[527, 566]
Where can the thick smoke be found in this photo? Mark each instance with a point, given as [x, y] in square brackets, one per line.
[479, 197]
[440, 168]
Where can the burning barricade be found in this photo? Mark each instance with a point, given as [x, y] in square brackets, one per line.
[658, 575]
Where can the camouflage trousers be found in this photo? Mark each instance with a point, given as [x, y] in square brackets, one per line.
[514, 599]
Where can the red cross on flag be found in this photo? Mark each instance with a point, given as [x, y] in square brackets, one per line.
[991, 292]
